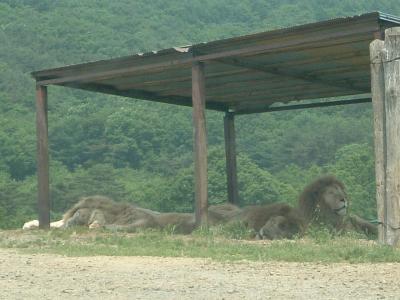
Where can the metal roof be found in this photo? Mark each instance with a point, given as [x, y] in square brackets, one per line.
[243, 74]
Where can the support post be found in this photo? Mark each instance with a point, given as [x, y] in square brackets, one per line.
[200, 143]
[378, 104]
[230, 154]
[42, 157]
[385, 88]
[392, 108]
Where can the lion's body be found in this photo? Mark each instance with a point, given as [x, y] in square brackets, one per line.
[99, 211]
[105, 211]
[178, 222]
[222, 213]
[255, 216]
[282, 227]
[271, 221]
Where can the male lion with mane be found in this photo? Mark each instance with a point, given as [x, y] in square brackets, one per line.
[324, 201]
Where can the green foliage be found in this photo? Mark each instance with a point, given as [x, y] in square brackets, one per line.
[302, 138]
[256, 185]
[17, 154]
[142, 152]
[13, 211]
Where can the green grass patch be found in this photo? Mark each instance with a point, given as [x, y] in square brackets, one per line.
[213, 244]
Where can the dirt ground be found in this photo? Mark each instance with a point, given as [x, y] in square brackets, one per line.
[37, 276]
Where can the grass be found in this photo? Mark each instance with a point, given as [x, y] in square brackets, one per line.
[317, 246]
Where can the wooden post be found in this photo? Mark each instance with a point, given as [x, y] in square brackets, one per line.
[230, 153]
[200, 143]
[42, 157]
[392, 108]
[385, 88]
[378, 104]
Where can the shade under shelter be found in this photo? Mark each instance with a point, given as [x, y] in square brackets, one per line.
[318, 64]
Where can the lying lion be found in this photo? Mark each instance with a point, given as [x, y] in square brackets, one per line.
[99, 211]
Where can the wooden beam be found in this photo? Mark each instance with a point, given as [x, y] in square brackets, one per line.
[200, 144]
[42, 157]
[144, 95]
[185, 58]
[392, 109]
[230, 154]
[267, 108]
[291, 42]
[287, 74]
[378, 104]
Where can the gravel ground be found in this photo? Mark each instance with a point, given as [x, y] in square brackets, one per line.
[44, 276]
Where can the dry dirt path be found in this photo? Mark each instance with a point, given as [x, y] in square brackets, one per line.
[27, 276]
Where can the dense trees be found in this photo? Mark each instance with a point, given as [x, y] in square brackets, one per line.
[142, 152]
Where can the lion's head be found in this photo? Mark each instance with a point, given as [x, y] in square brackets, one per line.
[334, 199]
[324, 199]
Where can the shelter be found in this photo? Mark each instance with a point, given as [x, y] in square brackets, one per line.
[326, 63]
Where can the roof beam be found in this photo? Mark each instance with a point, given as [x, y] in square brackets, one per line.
[267, 108]
[117, 72]
[242, 63]
[296, 41]
[138, 94]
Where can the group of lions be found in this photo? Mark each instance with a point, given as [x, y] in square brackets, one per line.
[323, 202]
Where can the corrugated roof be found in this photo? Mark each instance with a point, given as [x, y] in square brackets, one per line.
[245, 73]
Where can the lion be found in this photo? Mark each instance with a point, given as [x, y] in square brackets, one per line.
[98, 211]
[102, 212]
[324, 201]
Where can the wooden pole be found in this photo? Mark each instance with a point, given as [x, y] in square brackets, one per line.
[392, 108]
[42, 157]
[200, 143]
[378, 104]
[230, 153]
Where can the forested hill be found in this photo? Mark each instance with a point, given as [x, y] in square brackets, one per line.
[140, 151]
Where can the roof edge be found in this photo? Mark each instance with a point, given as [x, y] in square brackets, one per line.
[375, 15]
[388, 17]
